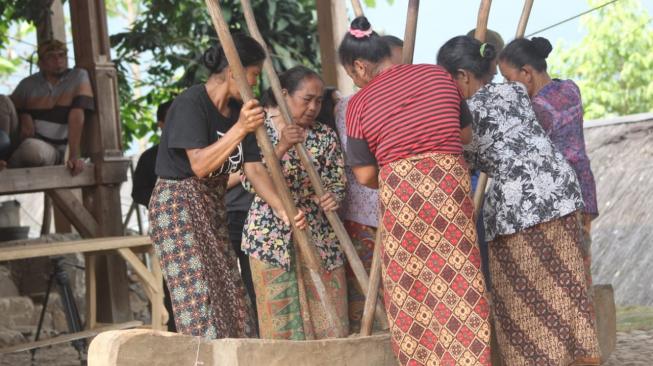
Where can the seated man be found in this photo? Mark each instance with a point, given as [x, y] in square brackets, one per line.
[50, 106]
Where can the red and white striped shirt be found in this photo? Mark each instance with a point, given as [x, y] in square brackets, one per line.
[405, 111]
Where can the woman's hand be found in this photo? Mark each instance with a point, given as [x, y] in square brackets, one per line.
[289, 136]
[251, 116]
[300, 218]
[328, 202]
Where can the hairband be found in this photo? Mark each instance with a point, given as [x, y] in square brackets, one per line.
[359, 33]
[483, 49]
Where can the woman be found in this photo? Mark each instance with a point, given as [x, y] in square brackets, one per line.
[206, 136]
[269, 243]
[542, 312]
[559, 109]
[404, 137]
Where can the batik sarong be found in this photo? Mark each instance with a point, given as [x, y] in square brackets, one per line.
[433, 287]
[542, 312]
[188, 227]
[280, 304]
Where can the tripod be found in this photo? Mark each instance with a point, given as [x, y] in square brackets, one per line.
[60, 276]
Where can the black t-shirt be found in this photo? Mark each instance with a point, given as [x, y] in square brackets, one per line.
[144, 178]
[193, 122]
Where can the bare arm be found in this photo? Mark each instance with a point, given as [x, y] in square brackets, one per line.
[26, 126]
[466, 135]
[75, 127]
[367, 175]
[205, 160]
[234, 180]
[258, 176]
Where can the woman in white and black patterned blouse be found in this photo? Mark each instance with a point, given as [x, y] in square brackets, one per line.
[541, 307]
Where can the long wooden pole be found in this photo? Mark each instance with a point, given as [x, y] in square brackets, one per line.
[523, 20]
[302, 236]
[408, 51]
[358, 9]
[481, 31]
[410, 33]
[346, 244]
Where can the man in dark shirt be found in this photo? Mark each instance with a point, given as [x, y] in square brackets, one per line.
[144, 177]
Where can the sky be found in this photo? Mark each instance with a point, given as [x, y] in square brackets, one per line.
[437, 22]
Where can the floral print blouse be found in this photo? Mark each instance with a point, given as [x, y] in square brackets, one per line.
[362, 203]
[559, 110]
[531, 182]
[265, 236]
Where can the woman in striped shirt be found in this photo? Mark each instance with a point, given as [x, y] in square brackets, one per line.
[404, 137]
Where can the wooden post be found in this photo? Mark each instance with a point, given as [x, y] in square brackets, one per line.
[102, 143]
[332, 23]
[481, 31]
[307, 161]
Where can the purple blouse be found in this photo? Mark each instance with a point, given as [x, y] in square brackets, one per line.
[559, 109]
[361, 203]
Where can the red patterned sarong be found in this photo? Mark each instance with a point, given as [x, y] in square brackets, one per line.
[433, 287]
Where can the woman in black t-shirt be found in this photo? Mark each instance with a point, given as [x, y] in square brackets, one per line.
[207, 136]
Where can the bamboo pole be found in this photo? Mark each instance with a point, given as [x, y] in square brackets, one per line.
[358, 9]
[307, 162]
[481, 31]
[523, 20]
[371, 297]
[410, 33]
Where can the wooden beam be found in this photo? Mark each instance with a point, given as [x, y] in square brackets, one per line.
[332, 24]
[26, 180]
[70, 337]
[14, 252]
[73, 209]
[140, 269]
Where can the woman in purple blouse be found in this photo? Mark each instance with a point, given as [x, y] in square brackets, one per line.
[559, 109]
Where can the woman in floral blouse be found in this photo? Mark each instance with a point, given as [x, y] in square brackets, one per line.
[559, 109]
[268, 241]
[542, 312]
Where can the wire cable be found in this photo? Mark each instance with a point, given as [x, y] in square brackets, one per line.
[571, 18]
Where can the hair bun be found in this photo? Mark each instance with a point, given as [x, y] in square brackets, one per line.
[542, 46]
[488, 51]
[213, 57]
[360, 23]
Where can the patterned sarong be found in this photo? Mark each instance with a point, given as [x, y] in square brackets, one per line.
[280, 305]
[362, 236]
[433, 287]
[542, 313]
[197, 259]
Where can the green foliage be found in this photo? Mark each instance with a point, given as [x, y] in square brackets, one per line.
[613, 62]
[172, 36]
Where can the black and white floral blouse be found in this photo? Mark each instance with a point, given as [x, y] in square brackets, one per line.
[531, 180]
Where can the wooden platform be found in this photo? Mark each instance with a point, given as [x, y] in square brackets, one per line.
[126, 247]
